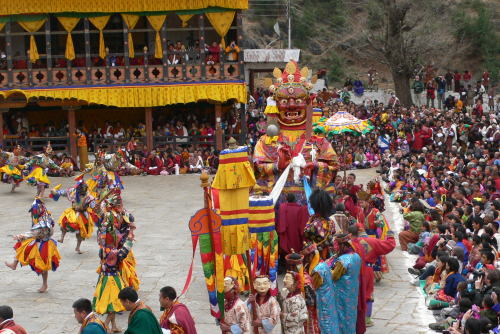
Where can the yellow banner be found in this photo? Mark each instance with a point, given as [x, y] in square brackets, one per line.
[107, 6]
[142, 96]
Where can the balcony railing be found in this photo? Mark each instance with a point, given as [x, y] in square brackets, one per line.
[191, 68]
[61, 144]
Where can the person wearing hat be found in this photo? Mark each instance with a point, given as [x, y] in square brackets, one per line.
[38, 165]
[11, 171]
[80, 217]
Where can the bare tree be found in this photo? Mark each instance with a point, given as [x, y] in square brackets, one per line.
[406, 38]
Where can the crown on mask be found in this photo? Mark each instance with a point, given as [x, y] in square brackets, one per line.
[292, 76]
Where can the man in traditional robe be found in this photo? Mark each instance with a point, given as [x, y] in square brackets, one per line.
[90, 323]
[176, 316]
[141, 319]
[7, 321]
[292, 221]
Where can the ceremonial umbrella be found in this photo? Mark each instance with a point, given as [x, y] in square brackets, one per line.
[342, 123]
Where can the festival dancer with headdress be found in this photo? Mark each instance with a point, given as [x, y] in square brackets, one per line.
[345, 270]
[112, 163]
[114, 249]
[311, 259]
[336, 284]
[124, 224]
[11, 171]
[312, 156]
[38, 166]
[80, 217]
[320, 228]
[372, 249]
[36, 248]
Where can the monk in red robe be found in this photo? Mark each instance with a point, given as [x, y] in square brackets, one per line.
[292, 220]
[176, 316]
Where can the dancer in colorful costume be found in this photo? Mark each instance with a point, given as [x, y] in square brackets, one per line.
[372, 249]
[345, 274]
[124, 223]
[375, 226]
[11, 171]
[39, 165]
[311, 258]
[112, 163]
[36, 248]
[336, 282]
[274, 152]
[80, 217]
[294, 313]
[110, 280]
[320, 228]
[267, 308]
[236, 315]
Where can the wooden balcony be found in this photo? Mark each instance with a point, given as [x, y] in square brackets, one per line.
[191, 70]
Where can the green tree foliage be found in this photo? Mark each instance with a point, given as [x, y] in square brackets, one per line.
[316, 25]
[474, 24]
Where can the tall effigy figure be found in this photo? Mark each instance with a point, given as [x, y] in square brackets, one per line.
[310, 156]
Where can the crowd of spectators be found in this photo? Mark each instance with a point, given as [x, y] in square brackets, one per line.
[177, 53]
[442, 166]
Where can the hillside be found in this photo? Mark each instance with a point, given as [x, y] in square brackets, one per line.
[332, 34]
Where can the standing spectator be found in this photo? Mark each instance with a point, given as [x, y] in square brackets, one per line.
[441, 89]
[486, 80]
[213, 54]
[430, 93]
[467, 78]
[418, 88]
[232, 51]
[141, 319]
[7, 321]
[449, 80]
[456, 80]
[480, 90]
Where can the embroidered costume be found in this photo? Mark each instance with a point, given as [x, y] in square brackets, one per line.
[11, 171]
[80, 217]
[36, 248]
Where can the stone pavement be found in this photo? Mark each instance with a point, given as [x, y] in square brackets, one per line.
[162, 206]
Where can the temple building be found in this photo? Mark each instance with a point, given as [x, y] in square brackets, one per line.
[86, 64]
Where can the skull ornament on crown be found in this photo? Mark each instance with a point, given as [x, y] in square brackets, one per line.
[291, 93]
